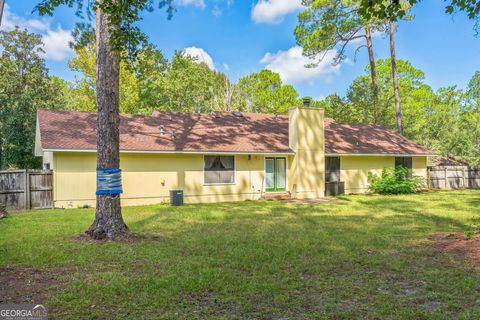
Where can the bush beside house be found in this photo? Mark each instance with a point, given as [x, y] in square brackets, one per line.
[395, 181]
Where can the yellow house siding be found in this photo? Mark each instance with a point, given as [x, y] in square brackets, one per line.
[307, 175]
[74, 179]
[354, 170]
[148, 178]
[306, 138]
[419, 165]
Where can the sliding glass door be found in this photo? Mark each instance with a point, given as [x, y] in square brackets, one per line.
[275, 174]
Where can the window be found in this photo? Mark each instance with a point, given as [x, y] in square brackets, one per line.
[219, 169]
[332, 169]
[405, 162]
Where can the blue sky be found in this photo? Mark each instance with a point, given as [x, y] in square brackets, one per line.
[243, 36]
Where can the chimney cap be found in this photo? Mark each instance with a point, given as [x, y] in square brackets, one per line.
[307, 101]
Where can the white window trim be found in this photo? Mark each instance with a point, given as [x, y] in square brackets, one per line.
[234, 170]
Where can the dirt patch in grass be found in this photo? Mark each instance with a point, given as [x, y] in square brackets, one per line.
[458, 245]
[29, 285]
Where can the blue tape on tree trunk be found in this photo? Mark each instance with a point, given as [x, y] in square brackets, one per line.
[109, 181]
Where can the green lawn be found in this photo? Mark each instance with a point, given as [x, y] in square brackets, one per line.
[366, 257]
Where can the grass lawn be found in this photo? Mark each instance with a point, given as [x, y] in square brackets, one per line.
[367, 257]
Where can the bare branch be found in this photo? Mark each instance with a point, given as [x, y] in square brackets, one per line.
[356, 52]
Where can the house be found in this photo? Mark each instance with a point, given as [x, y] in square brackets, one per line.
[221, 156]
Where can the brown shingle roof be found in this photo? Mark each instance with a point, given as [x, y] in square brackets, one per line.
[252, 133]
[349, 138]
[256, 133]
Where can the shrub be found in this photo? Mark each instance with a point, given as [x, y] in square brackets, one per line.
[472, 228]
[395, 181]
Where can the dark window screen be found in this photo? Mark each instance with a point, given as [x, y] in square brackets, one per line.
[332, 169]
[405, 162]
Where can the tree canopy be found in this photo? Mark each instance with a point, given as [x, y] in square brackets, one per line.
[123, 16]
[24, 87]
[398, 9]
[446, 120]
[329, 24]
[264, 92]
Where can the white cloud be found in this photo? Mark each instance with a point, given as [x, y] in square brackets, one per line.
[201, 55]
[10, 20]
[290, 65]
[56, 41]
[273, 11]
[195, 3]
[57, 44]
[226, 67]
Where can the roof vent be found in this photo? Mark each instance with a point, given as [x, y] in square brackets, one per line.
[237, 114]
[162, 130]
[174, 133]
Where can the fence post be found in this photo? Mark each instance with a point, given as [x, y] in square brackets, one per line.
[27, 190]
[428, 178]
[447, 183]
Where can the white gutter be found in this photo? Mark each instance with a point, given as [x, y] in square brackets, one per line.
[246, 153]
[379, 155]
[175, 152]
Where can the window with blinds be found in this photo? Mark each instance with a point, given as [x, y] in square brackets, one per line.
[219, 169]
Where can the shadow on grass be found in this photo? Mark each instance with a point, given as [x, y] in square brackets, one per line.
[362, 258]
[217, 224]
[474, 202]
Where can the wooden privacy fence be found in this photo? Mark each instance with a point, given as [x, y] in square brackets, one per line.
[26, 189]
[454, 177]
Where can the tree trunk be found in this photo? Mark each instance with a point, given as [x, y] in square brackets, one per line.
[398, 109]
[373, 74]
[108, 222]
[2, 3]
[1, 149]
[228, 95]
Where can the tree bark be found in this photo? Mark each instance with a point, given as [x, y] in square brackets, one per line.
[1, 149]
[373, 74]
[108, 222]
[2, 4]
[398, 109]
[228, 95]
